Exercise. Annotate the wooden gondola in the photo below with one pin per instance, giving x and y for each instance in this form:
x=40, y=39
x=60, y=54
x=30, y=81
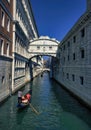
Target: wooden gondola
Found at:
x=24, y=102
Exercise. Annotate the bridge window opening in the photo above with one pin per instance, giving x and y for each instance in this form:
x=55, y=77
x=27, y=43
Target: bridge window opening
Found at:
x=50, y=47
x=38, y=47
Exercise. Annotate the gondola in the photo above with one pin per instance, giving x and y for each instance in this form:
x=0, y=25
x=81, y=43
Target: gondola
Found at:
x=24, y=102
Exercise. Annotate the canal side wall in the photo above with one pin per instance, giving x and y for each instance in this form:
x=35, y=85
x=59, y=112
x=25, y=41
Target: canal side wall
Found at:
x=5, y=92
x=5, y=77
x=21, y=83
x=73, y=70
x=82, y=96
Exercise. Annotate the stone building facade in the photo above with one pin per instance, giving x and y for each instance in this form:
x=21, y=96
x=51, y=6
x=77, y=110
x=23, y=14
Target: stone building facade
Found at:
x=24, y=29
x=6, y=24
x=73, y=69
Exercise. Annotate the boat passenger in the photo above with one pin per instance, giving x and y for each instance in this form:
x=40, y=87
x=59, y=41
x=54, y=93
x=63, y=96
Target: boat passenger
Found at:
x=28, y=96
x=24, y=99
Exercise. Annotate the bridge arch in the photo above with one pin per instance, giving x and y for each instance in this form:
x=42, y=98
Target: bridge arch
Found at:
x=43, y=46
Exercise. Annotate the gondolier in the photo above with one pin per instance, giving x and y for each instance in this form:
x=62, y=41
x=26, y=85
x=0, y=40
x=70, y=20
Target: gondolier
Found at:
x=19, y=97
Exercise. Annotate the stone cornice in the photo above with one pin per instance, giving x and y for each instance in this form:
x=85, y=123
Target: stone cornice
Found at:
x=44, y=38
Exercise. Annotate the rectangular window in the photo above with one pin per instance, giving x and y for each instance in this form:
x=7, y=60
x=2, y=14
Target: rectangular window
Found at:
x=68, y=57
x=8, y=24
x=2, y=18
x=82, y=53
x=74, y=56
x=50, y=47
x=83, y=32
x=74, y=39
x=73, y=77
x=67, y=75
x=1, y=46
x=81, y=80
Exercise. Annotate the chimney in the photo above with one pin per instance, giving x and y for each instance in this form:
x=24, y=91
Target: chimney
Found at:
x=88, y=4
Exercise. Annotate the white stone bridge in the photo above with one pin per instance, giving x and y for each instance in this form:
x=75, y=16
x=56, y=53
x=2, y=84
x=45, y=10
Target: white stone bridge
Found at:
x=43, y=46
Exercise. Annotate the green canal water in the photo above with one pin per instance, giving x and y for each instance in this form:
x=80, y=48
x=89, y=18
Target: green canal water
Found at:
x=58, y=110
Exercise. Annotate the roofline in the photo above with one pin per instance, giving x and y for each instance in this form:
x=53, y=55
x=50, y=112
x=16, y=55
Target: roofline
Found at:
x=33, y=17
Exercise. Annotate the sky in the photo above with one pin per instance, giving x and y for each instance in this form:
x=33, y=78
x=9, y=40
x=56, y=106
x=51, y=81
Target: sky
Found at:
x=54, y=18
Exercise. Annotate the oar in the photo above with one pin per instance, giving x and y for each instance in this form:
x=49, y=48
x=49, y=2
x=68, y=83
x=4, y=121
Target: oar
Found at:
x=33, y=109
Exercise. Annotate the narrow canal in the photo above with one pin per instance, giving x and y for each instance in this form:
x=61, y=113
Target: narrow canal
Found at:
x=58, y=110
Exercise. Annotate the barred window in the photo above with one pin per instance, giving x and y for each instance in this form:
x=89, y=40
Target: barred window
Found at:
x=74, y=39
x=81, y=80
x=83, y=32
x=73, y=77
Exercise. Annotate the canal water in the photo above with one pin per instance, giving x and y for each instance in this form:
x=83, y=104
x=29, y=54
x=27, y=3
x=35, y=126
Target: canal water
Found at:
x=58, y=110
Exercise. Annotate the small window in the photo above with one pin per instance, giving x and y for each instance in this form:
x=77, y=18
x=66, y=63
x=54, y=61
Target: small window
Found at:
x=68, y=57
x=82, y=53
x=50, y=47
x=73, y=56
x=67, y=75
x=73, y=77
x=2, y=18
x=1, y=46
x=83, y=32
x=74, y=39
x=81, y=80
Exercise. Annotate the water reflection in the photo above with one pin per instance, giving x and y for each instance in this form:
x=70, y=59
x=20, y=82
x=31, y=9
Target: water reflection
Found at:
x=58, y=109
